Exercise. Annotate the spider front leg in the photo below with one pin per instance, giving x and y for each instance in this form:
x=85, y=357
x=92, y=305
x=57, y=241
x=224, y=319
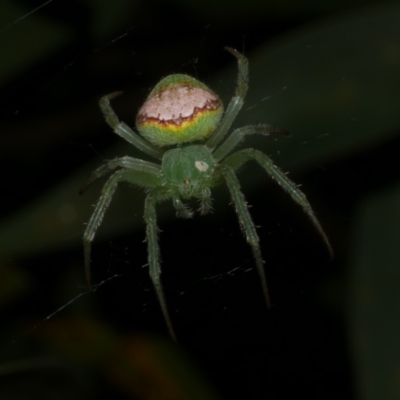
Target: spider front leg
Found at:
x=150, y=216
x=236, y=102
x=238, y=134
x=247, y=225
x=238, y=159
x=123, y=130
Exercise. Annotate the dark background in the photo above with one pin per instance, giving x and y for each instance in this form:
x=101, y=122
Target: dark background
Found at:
x=327, y=73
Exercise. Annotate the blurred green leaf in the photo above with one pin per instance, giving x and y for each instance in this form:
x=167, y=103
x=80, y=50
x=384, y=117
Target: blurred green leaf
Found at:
x=375, y=297
x=14, y=282
x=147, y=367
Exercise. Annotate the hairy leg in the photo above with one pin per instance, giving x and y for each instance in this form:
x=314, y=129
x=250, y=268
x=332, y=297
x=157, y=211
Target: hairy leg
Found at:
x=243, y=156
x=128, y=175
x=97, y=216
x=205, y=201
x=123, y=130
x=236, y=102
x=123, y=162
x=238, y=134
x=182, y=210
x=150, y=216
x=247, y=225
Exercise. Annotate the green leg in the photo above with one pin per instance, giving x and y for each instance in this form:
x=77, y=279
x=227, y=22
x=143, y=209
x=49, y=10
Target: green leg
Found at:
x=153, y=197
x=96, y=174
x=97, y=216
x=238, y=159
x=123, y=130
x=134, y=164
x=247, y=225
x=237, y=136
x=182, y=210
x=236, y=102
x=205, y=201
x=126, y=174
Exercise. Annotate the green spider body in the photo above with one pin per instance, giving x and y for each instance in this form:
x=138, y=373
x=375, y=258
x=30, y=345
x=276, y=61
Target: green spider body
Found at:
x=188, y=171
x=179, y=111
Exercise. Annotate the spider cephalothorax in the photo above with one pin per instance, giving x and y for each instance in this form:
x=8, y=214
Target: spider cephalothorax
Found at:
x=179, y=111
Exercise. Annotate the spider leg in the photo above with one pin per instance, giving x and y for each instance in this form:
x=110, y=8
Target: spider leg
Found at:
x=205, y=201
x=96, y=174
x=238, y=134
x=237, y=159
x=97, y=217
x=123, y=162
x=236, y=102
x=123, y=130
x=134, y=163
x=153, y=197
x=182, y=210
x=144, y=173
x=246, y=224
x=131, y=175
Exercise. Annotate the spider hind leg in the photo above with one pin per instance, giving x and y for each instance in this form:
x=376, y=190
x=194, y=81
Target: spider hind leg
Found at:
x=247, y=225
x=96, y=218
x=236, y=160
x=150, y=216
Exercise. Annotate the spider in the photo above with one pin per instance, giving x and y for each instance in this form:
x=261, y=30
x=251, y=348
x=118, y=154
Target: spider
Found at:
x=179, y=115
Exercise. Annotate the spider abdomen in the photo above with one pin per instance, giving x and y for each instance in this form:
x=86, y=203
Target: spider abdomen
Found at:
x=178, y=110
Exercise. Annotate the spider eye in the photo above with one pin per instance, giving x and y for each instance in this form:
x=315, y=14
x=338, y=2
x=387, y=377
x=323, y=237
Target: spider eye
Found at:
x=179, y=109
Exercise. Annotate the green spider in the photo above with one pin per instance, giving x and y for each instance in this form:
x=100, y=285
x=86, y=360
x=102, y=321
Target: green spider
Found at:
x=178, y=111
